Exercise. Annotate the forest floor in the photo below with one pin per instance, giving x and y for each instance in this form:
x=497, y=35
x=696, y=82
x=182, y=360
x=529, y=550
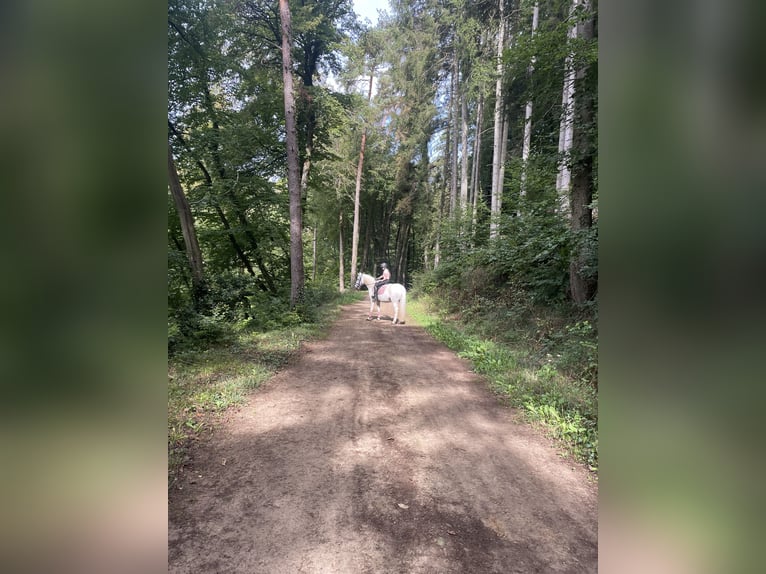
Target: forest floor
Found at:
x=377, y=450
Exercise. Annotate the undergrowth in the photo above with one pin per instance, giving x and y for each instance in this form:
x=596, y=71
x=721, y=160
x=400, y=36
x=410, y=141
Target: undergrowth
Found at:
x=541, y=365
x=206, y=380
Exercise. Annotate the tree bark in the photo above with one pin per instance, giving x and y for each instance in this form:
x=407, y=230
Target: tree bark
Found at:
x=475, y=172
x=341, y=270
x=314, y=253
x=193, y=252
x=528, y=118
x=464, y=156
x=563, y=180
x=455, y=121
x=582, y=288
x=297, y=277
x=358, y=191
x=503, y=156
x=497, y=146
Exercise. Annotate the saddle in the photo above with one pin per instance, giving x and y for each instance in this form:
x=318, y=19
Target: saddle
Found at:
x=381, y=291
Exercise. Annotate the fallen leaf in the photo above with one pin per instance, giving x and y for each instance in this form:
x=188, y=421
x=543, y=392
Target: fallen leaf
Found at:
x=451, y=532
x=400, y=505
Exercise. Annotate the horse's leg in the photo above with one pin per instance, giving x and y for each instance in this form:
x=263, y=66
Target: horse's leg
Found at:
x=372, y=304
x=396, y=310
x=378, y=304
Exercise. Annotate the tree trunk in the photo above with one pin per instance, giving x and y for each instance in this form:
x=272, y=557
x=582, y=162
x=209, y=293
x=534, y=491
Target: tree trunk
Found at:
x=503, y=156
x=341, y=270
x=497, y=146
x=293, y=168
x=454, y=106
x=447, y=166
x=464, y=156
x=314, y=253
x=310, y=123
x=366, y=246
x=475, y=171
x=193, y=252
x=563, y=180
x=358, y=191
x=528, y=119
x=582, y=288
x=440, y=217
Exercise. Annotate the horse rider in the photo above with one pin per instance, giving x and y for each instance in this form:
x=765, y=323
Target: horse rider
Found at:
x=384, y=279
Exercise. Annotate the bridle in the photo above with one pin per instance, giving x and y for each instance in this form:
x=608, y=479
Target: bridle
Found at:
x=358, y=282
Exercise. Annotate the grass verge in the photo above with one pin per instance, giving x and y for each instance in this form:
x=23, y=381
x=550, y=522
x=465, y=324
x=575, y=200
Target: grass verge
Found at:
x=542, y=390
x=204, y=383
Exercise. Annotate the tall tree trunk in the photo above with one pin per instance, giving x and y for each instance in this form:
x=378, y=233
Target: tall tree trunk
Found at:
x=341, y=270
x=563, y=180
x=503, y=156
x=314, y=253
x=193, y=252
x=440, y=218
x=497, y=146
x=528, y=118
x=447, y=167
x=310, y=123
x=293, y=168
x=464, y=156
x=455, y=113
x=475, y=171
x=358, y=191
x=584, y=149
x=366, y=257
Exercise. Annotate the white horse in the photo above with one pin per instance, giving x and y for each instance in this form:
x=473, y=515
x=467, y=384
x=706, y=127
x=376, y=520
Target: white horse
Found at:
x=393, y=292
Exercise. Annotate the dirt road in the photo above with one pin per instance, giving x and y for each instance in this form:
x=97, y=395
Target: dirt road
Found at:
x=378, y=451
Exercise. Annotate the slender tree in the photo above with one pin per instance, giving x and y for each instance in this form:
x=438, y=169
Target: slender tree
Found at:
x=358, y=189
x=455, y=147
x=464, y=154
x=475, y=172
x=497, y=145
x=193, y=252
x=297, y=278
x=528, y=115
x=341, y=271
x=563, y=179
x=583, y=287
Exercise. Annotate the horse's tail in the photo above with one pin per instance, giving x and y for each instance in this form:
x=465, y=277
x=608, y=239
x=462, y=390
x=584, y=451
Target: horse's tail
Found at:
x=403, y=310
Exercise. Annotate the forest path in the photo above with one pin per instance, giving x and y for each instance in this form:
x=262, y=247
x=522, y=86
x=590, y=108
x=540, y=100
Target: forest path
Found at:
x=377, y=450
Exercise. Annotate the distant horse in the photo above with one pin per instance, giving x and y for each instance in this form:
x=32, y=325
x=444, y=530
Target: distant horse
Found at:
x=393, y=292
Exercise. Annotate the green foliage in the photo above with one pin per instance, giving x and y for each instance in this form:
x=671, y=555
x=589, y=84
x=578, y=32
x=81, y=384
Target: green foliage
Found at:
x=576, y=351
